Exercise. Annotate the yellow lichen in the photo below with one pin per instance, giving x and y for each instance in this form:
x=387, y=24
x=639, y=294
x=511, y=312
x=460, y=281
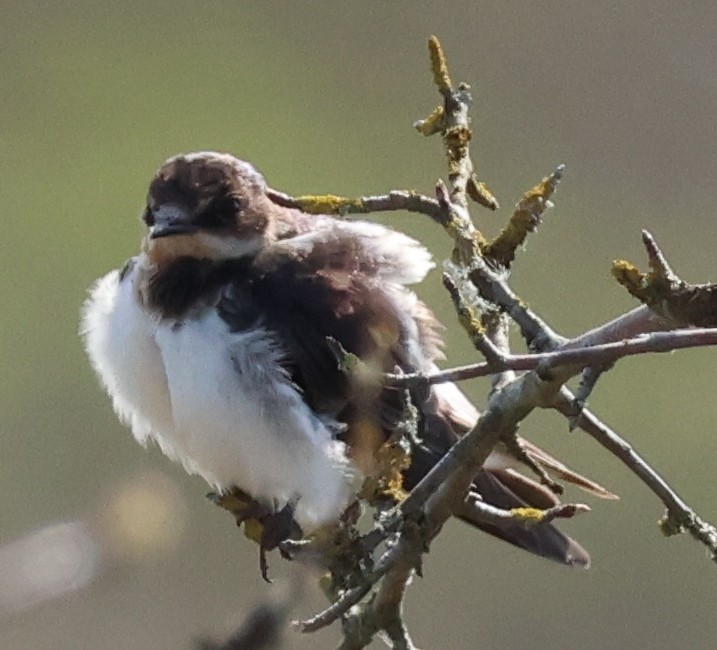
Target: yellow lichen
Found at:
x=392, y=459
x=650, y=288
x=528, y=514
x=458, y=136
x=627, y=275
x=681, y=303
x=431, y=124
x=328, y=204
x=670, y=526
x=439, y=66
x=479, y=192
x=525, y=219
x=468, y=317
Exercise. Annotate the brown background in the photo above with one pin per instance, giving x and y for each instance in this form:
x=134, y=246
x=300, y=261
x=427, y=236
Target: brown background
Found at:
x=321, y=97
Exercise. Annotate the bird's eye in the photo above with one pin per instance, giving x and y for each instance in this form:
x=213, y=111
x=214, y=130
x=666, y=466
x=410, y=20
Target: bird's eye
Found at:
x=148, y=216
x=221, y=212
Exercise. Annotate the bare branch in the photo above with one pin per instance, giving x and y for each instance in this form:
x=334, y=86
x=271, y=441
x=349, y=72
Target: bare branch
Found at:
x=351, y=597
x=656, y=258
x=495, y=289
x=680, y=516
x=588, y=380
x=442, y=490
x=567, y=356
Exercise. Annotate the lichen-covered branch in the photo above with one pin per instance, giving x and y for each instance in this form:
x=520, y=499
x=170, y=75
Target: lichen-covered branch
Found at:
x=452, y=121
x=678, y=302
x=526, y=218
x=342, y=206
x=370, y=572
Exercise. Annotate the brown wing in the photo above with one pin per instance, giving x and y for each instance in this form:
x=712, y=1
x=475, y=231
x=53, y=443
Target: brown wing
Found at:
x=333, y=286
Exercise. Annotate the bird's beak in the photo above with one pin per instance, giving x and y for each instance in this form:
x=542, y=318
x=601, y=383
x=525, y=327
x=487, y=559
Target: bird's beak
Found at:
x=171, y=220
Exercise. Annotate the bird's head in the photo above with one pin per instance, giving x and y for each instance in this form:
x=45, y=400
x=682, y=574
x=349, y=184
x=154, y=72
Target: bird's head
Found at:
x=207, y=205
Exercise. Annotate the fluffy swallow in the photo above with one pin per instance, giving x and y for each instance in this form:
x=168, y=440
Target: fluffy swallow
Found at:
x=212, y=342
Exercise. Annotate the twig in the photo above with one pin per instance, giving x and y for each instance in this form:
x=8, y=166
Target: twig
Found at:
x=383, y=612
x=493, y=287
x=453, y=123
x=679, y=303
x=497, y=330
x=470, y=320
x=527, y=215
x=437, y=495
x=474, y=506
x=341, y=205
x=352, y=596
x=656, y=258
x=588, y=381
x=680, y=516
x=568, y=356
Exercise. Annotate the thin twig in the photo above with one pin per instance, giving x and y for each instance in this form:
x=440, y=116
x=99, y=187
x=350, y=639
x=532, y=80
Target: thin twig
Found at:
x=568, y=356
x=656, y=258
x=679, y=512
x=340, y=205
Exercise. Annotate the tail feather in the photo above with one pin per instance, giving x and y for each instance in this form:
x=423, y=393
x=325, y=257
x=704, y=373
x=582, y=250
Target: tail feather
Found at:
x=447, y=415
x=460, y=414
x=526, y=489
x=542, y=539
x=562, y=471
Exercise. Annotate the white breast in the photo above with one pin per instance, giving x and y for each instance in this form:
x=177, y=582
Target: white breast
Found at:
x=219, y=402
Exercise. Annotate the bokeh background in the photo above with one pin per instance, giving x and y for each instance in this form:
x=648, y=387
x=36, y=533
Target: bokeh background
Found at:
x=105, y=545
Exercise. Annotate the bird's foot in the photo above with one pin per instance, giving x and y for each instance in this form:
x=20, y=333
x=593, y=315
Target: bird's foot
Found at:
x=262, y=524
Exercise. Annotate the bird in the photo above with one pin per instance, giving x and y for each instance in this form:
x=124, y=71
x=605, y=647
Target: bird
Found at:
x=215, y=342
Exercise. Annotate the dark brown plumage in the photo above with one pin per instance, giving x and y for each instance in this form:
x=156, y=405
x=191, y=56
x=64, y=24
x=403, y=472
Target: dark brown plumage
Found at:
x=217, y=242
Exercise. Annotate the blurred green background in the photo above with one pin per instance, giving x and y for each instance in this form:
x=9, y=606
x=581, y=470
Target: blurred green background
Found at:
x=321, y=97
